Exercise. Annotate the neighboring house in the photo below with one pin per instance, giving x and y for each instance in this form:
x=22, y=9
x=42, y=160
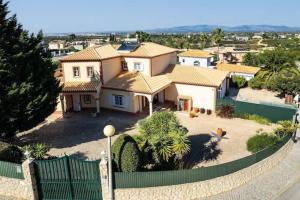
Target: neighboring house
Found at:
x=135, y=77
x=58, y=48
x=196, y=58
x=230, y=54
x=247, y=72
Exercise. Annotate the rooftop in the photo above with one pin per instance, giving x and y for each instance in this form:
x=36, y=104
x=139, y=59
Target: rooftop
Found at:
x=138, y=82
x=237, y=68
x=145, y=49
x=195, y=75
x=196, y=54
x=80, y=86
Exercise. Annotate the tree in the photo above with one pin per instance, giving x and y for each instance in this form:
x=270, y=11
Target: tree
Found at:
x=126, y=155
x=251, y=59
x=72, y=37
x=143, y=36
x=217, y=36
x=203, y=38
x=239, y=81
x=27, y=85
x=163, y=139
x=287, y=84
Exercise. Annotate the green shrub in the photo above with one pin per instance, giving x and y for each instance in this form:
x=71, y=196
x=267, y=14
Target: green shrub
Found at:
x=239, y=81
x=256, y=83
x=261, y=141
x=38, y=150
x=126, y=154
x=226, y=111
x=10, y=153
x=258, y=118
x=286, y=127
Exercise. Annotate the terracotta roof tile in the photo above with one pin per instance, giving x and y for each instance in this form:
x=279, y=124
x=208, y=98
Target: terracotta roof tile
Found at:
x=196, y=54
x=196, y=75
x=237, y=68
x=137, y=82
x=80, y=86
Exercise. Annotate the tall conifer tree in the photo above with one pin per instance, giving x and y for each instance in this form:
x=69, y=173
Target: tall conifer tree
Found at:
x=28, y=88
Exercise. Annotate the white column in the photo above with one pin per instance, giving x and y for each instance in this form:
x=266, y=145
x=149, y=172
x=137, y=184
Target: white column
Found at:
x=98, y=105
x=62, y=104
x=140, y=103
x=150, y=107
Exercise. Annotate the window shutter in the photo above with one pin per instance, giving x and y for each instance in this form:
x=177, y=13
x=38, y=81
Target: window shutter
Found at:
x=125, y=100
x=111, y=100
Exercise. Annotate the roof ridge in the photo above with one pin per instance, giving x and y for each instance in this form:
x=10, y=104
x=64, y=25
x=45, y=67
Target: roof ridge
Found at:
x=140, y=74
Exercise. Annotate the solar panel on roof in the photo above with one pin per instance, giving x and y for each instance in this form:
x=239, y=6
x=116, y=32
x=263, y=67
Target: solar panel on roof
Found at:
x=128, y=46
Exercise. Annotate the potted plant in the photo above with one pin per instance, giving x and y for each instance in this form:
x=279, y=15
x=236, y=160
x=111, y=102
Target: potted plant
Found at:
x=220, y=132
x=208, y=111
x=196, y=110
x=202, y=110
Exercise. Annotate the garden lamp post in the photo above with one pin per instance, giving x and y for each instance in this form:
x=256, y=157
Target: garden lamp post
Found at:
x=109, y=131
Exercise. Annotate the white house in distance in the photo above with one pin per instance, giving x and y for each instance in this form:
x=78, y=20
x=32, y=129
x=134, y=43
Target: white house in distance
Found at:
x=247, y=72
x=136, y=77
x=196, y=58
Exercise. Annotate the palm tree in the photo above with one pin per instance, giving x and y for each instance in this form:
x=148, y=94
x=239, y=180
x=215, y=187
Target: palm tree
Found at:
x=203, y=40
x=217, y=36
x=163, y=138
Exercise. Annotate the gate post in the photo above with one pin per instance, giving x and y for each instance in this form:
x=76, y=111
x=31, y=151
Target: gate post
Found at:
x=104, y=178
x=29, y=176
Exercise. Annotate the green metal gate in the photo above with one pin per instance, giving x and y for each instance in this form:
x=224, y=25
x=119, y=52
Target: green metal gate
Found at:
x=68, y=178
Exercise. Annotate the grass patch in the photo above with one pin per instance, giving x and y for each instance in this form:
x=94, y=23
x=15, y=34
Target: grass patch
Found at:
x=261, y=141
x=257, y=118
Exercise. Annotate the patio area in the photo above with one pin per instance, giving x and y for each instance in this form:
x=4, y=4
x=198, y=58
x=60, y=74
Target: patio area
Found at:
x=81, y=135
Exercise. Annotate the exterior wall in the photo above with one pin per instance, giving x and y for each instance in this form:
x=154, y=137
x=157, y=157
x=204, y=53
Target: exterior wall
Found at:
x=160, y=63
x=68, y=71
x=204, y=62
x=131, y=104
x=202, y=97
x=248, y=77
x=111, y=68
x=20, y=189
x=222, y=89
x=91, y=105
x=145, y=62
x=204, y=189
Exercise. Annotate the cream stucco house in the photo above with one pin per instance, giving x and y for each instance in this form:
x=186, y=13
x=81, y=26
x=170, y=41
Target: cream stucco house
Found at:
x=248, y=72
x=134, y=77
x=197, y=58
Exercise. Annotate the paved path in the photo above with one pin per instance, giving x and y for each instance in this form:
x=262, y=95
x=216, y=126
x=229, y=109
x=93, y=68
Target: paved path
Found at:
x=272, y=185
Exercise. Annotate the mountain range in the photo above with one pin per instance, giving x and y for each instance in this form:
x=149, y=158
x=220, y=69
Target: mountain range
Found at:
x=240, y=28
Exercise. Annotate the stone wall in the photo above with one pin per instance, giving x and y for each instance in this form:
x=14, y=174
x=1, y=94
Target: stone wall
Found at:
x=20, y=188
x=205, y=188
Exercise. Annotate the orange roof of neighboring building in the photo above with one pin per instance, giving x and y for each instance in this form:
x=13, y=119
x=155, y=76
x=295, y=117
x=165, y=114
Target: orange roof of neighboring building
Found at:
x=237, y=68
x=92, y=53
x=146, y=49
x=149, y=49
x=195, y=75
x=195, y=54
x=80, y=86
x=137, y=82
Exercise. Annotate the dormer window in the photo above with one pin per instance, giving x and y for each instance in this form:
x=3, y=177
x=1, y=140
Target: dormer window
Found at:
x=76, y=72
x=138, y=66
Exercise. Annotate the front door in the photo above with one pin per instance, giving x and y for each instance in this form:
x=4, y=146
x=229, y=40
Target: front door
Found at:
x=76, y=102
x=183, y=105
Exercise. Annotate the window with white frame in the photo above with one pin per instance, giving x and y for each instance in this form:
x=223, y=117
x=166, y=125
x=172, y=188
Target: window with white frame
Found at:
x=138, y=66
x=76, y=72
x=118, y=100
x=90, y=72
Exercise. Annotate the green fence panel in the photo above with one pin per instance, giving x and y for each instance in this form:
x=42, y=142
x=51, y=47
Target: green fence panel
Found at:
x=164, y=178
x=273, y=112
x=11, y=170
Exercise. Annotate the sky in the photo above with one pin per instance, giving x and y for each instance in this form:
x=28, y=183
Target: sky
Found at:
x=68, y=16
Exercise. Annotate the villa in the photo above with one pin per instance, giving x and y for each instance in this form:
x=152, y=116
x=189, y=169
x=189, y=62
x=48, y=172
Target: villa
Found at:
x=196, y=58
x=135, y=77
